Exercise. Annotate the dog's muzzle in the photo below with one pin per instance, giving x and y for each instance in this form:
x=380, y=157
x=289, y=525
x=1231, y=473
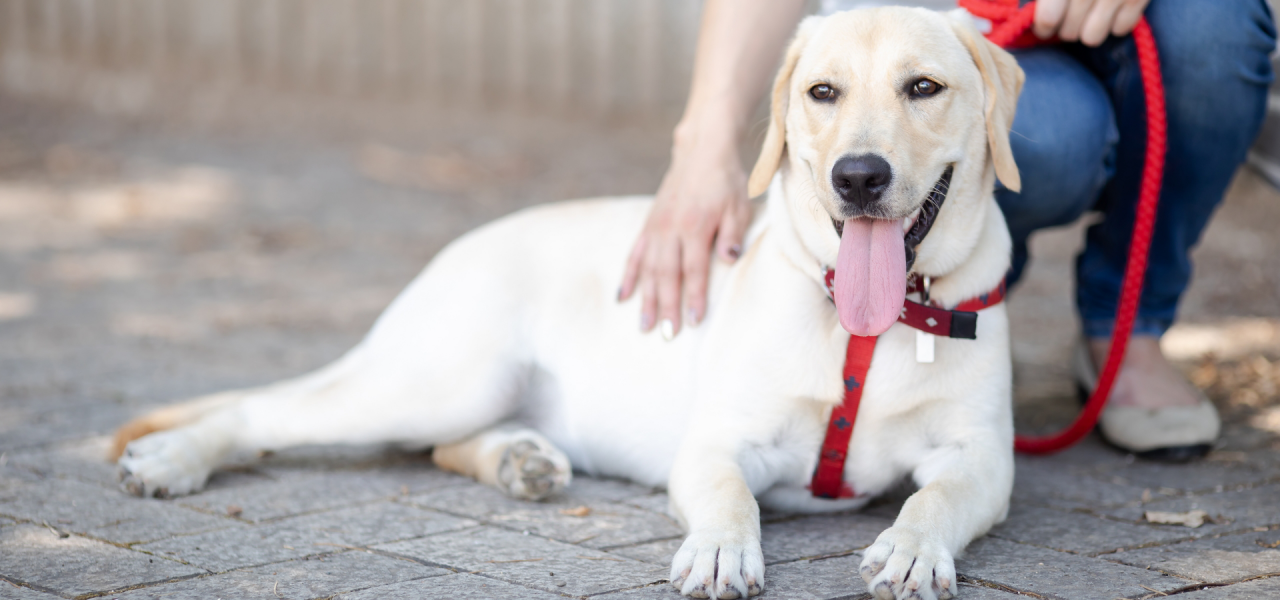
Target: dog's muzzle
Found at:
x=928, y=213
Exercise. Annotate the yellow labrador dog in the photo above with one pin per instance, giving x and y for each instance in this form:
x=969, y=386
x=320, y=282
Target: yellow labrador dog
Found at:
x=510, y=355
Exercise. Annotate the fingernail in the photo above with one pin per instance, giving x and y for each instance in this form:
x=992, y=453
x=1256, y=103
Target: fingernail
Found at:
x=646, y=322
x=691, y=316
x=668, y=330
x=619, y=294
x=735, y=251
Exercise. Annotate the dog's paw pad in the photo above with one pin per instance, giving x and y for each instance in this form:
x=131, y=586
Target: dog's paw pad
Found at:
x=904, y=565
x=163, y=464
x=533, y=471
x=719, y=565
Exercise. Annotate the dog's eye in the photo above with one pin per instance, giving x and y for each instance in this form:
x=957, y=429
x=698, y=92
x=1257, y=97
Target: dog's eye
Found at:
x=822, y=91
x=925, y=88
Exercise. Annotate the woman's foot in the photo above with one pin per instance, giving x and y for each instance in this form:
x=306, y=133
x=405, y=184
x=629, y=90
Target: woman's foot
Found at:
x=1153, y=410
x=1147, y=379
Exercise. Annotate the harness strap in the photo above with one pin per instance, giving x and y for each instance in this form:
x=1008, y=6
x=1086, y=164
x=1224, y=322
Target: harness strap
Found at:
x=828, y=479
x=961, y=322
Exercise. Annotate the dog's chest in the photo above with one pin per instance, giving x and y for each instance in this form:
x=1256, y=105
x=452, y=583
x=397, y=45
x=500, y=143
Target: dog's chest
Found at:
x=900, y=403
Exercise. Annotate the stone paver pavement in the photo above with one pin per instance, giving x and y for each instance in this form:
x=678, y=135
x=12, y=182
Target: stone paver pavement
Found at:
x=141, y=265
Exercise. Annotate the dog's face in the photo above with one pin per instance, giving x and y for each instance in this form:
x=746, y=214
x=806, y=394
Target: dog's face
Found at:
x=876, y=113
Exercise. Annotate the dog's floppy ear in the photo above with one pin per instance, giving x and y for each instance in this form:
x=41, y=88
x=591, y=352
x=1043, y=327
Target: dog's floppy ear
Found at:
x=775, y=140
x=1003, y=79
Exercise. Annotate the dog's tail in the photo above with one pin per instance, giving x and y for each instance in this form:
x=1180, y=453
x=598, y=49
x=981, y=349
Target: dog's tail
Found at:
x=186, y=413
x=169, y=417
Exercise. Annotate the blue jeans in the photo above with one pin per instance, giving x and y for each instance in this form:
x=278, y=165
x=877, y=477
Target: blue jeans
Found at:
x=1079, y=139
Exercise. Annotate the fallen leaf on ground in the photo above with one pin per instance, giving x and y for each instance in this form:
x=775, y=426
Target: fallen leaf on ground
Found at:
x=579, y=511
x=1227, y=456
x=1191, y=518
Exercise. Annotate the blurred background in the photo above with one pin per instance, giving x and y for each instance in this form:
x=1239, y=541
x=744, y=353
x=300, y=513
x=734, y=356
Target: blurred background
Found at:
x=605, y=61
x=201, y=194
x=594, y=59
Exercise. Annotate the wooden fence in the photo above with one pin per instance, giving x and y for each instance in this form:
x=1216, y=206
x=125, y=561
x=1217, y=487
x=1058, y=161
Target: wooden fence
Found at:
x=598, y=58
x=595, y=59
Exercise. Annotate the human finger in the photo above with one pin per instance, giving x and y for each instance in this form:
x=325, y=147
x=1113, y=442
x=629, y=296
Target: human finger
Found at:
x=1097, y=24
x=733, y=226
x=632, y=272
x=650, y=276
x=1127, y=17
x=1073, y=21
x=696, y=264
x=648, y=303
x=667, y=280
x=1048, y=17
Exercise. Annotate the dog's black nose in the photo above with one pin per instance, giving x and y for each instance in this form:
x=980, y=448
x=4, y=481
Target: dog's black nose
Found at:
x=860, y=180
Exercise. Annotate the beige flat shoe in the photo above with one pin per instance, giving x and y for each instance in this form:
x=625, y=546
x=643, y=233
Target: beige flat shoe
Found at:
x=1169, y=434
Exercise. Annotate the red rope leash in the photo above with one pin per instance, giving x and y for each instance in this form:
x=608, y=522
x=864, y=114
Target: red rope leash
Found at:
x=1011, y=28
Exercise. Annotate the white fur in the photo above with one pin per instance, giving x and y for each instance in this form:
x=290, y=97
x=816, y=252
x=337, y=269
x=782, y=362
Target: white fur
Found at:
x=517, y=321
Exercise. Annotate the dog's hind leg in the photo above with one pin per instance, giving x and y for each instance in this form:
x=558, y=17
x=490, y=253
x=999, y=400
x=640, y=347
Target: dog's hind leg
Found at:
x=169, y=417
x=172, y=450
x=445, y=360
x=516, y=460
x=364, y=398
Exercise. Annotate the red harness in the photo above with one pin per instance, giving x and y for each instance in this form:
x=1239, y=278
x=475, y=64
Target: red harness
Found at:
x=960, y=322
x=1011, y=22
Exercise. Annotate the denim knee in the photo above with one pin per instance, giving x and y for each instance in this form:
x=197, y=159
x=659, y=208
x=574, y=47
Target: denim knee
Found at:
x=1216, y=62
x=1063, y=138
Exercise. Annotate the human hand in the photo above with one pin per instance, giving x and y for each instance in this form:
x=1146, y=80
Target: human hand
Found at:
x=702, y=200
x=1087, y=21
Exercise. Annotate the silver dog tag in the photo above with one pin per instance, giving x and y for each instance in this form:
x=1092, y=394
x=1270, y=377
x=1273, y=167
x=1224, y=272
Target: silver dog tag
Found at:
x=924, y=347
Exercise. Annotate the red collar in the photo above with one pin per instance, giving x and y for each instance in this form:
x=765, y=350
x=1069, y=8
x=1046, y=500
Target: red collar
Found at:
x=959, y=322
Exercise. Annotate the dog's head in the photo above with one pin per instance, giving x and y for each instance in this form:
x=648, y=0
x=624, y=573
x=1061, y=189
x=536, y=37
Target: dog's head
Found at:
x=878, y=116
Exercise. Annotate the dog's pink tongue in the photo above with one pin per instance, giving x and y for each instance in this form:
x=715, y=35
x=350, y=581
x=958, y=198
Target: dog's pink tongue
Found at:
x=871, y=275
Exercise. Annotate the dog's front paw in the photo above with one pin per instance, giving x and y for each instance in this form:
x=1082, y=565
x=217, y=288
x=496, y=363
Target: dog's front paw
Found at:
x=164, y=464
x=904, y=564
x=719, y=563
